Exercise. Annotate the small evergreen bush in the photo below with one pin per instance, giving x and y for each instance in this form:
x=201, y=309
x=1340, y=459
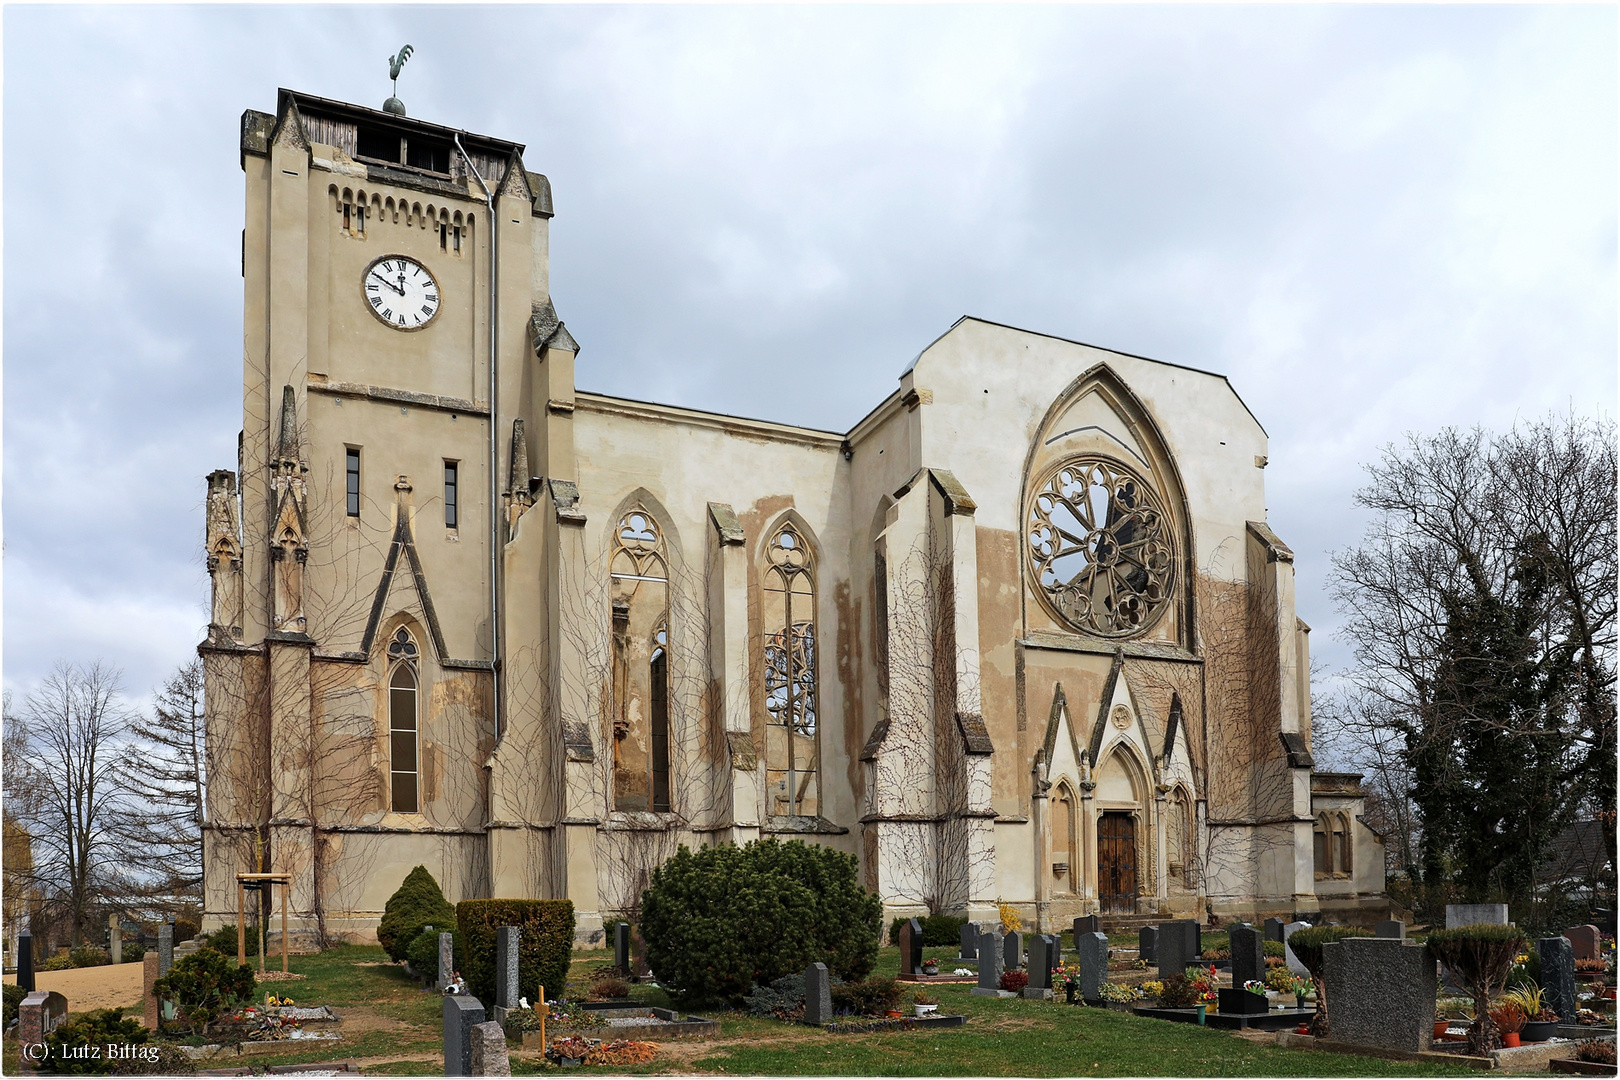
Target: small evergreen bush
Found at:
x=868, y=997
x=89, y=956
x=1273, y=948
x=782, y=999
x=14, y=995
x=721, y=920
x=132, y=952
x=414, y=904
x=423, y=954
x=545, y=945
x=224, y=940
x=939, y=931
x=94, y=1030
x=204, y=986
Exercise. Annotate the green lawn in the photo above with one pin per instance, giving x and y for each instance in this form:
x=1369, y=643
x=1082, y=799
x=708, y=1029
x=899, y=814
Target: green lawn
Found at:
x=393, y=1027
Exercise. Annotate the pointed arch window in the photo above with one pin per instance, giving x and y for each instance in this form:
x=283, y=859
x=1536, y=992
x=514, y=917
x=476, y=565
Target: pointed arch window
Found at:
x=792, y=757
x=1099, y=548
x=402, y=724
x=639, y=579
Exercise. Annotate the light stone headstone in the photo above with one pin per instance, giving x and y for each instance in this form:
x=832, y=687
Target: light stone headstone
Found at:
x=507, y=940
x=911, y=947
x=1586, y=941
x=1391, y=928
x=487, y=1056
x=165, y=948
x=1475, y=915
x=818, y=1009
x=1295, y=964
x=115, y=939
x=447, y=959
x=990, y=956
x=1178, y=944
x=1093, y=950
x=970, y=941
x=1558, y=976
x=1380, y=992
x=1147, y=944
x=1274, y=929
x=462, y=1013
x=1248, y=954
x=621, y=947
x=1040, y=968
x=1012, y=951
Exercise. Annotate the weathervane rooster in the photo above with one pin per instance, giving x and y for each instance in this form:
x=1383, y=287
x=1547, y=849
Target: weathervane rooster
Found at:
x=395, y=63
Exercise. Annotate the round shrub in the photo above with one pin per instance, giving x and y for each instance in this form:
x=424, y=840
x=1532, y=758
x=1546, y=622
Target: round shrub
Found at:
x=423, y=954
x=414, y=904
x=205, y=986
x=720, y=920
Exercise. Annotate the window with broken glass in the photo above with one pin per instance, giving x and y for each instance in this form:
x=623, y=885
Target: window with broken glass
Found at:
x=1099, y=548
x=639, y=573
x=792, y=759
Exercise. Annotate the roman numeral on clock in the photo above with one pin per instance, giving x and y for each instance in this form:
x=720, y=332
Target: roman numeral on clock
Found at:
x=427, y=309
x=376, y=301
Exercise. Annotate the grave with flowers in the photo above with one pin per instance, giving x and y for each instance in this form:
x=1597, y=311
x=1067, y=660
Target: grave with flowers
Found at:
x=1197, y=996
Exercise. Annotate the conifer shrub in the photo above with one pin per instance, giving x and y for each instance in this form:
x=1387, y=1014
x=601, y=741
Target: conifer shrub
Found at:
x=414, y=904
x=13, y=1003
x=721, y=920
x=423, y=954
x=869, y=997
x=205, y=986
x=68, y=1045
x=545, y=944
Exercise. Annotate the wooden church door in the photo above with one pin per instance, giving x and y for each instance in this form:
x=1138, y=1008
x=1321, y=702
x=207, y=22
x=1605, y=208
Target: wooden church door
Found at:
x=1116, y=863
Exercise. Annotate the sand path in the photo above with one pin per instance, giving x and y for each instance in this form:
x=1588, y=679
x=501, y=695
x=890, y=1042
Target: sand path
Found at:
x=110, y=986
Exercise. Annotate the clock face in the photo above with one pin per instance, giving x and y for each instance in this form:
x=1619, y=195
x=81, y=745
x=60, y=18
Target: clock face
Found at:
x=400, y=292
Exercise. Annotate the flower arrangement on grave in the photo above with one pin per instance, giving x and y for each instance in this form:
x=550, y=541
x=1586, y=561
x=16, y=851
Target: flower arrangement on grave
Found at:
x=1530, y=998
x=1180, y=992
x=931, y=965
x=1139, y=964
x=1255, y=986
x=1118, y=993
x=1014, y=980
x=923, y=1003
x=1152, y=989
x=1284, y=981
x=1599, y=1051
x=571, y=1014
x=1592, y=967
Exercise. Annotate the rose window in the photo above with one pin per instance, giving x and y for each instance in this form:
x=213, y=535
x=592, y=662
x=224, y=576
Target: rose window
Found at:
x=1100, y=549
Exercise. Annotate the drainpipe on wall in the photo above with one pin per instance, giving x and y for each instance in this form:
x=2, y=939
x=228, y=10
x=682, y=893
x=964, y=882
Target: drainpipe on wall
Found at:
x=494, y=437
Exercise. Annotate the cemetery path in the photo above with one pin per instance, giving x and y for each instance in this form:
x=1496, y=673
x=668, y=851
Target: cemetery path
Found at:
x=110, y=986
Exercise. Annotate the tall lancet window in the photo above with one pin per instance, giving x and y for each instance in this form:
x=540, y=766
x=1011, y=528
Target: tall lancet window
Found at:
x=402, y=723
x=792, y=760
x=639, y=575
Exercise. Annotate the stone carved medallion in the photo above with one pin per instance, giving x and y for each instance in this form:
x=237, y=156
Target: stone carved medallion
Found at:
x=1120, y=717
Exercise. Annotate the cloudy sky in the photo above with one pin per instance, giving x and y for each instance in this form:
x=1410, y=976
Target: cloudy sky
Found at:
x=1373, y=219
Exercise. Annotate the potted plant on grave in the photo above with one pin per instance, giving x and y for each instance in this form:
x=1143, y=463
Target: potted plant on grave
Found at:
x=1508, y=1018
x=924, y=1003
x=1478, y=957
x=1540, y=1022
x=1069, y=975
x=931, y=965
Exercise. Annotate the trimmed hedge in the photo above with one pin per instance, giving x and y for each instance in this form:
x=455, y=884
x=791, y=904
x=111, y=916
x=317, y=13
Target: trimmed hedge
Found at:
x=721, y=920
x=417, y=902
x=939, y=931
x=544, y=947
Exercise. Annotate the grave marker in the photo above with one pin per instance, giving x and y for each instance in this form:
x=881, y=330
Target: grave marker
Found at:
x=115, y=939
x=990, y=956
x=1274, y=929
x=1012, y=951
x=1086, y=924
x=1558, y=976
x=25, y=961
x=911, y=947
x=1295, y=965
x=38, y=1016
x=1093, y=950
x=1380, y=992
x=1392, y=928
x=462, y=1013
x=447, y=961
x=1586, y=941
x=1039, y=986
x=487, y=1056
x=149, y=1000
x=1177, y=946
x=1248, y=954
x=1476, y=914
x=621, y=947
x=1147, y=944
x=165, y=948
x=970, y=942
x=818, y=1009
x=507, y=939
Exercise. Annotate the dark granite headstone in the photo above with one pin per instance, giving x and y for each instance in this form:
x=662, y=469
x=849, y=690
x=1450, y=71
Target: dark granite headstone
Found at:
x=1391, y=928
x=1040, y=963
x=1086, y=924
x=1558, y=976
x=488, y=1056
x=25, y=961
x=1586, y=941
x=507, y=939
x=1274, y=927
x=462, y=1012
x=1147, y=944
x=165, y=948
x=1248, y=954
x=1380, y=992
x=970, y=941
x=1093, y=956
x=818, y=1008
x=989, y=965
x=911, y=947
x=1178, y=944
x=621, y=947
x=1012, y=951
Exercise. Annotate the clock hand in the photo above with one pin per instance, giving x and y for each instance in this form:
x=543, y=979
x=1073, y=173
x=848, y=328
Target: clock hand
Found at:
x=388, y=283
